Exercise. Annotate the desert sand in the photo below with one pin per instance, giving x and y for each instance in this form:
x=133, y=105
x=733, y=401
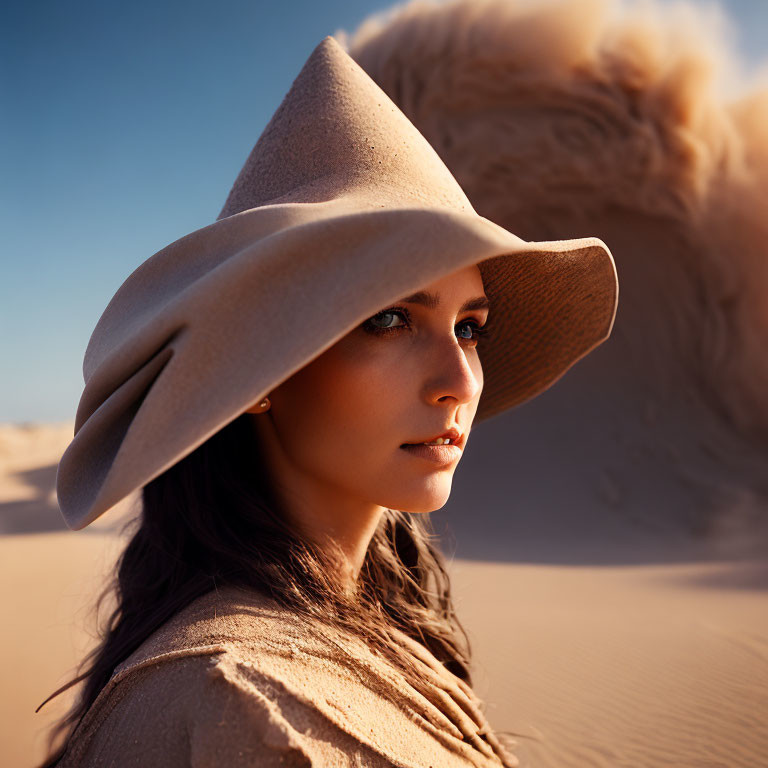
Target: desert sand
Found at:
x=589, y=665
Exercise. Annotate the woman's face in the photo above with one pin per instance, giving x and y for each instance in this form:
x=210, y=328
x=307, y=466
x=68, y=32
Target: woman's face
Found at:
x=335, y=428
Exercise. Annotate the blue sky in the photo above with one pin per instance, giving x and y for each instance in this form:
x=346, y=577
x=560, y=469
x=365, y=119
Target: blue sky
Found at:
x=122, y=128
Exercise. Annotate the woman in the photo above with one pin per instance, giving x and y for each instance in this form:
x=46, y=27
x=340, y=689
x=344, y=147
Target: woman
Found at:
x=270, y=382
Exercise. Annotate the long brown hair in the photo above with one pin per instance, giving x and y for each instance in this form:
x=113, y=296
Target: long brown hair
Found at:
x=213, y=519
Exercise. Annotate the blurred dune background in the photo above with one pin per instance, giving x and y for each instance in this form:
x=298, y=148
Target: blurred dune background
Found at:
x=608, y=540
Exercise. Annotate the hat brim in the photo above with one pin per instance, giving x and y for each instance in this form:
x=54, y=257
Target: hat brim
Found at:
x=213, y=322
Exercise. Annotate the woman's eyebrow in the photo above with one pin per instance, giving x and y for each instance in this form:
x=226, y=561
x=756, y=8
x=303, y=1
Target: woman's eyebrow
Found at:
x=432, y=301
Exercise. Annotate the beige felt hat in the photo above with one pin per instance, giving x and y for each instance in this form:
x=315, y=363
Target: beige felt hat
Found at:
x=341, y=208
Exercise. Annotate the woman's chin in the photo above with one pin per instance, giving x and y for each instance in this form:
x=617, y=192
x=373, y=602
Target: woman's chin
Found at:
x=421, y=500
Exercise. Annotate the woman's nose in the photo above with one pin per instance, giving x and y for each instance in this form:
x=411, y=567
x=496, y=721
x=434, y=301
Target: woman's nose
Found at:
x=453, y=371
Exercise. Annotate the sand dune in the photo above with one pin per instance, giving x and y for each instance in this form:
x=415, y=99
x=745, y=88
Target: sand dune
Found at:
x=29, y=455
x=633, y=122
x=591, y=665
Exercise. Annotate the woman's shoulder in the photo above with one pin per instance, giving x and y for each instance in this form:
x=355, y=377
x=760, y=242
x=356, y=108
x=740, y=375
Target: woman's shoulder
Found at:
x=220, y=683
x=225, y=618
x=234, y=675
x=241, y=624
x=201, y=711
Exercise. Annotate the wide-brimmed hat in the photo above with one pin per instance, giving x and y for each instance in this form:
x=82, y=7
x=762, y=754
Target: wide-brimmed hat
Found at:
x=341, y=208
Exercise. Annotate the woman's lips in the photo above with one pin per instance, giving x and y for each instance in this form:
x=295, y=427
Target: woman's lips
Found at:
x=439, y=454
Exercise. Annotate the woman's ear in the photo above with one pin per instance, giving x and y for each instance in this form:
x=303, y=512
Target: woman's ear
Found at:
x=260, y=407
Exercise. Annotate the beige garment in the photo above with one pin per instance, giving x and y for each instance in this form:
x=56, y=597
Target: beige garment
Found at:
x=235, y=680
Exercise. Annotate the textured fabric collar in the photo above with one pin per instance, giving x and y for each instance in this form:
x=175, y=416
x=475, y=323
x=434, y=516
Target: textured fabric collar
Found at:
x=337, y=674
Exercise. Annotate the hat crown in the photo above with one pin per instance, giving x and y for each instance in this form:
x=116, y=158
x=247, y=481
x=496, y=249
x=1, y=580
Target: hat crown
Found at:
x=337, y=132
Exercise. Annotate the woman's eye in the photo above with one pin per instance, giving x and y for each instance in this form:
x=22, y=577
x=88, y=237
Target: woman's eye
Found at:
x=382, y=321
x=386, y=321
x=475, y=330
x=470, y=327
